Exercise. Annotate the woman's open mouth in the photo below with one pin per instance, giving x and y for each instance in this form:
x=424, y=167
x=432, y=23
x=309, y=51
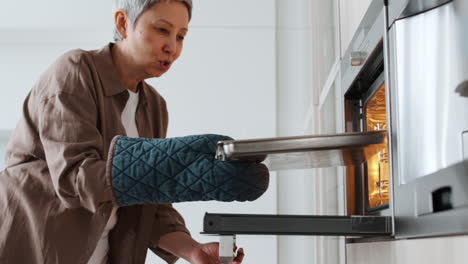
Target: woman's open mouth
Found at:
x=165, y=65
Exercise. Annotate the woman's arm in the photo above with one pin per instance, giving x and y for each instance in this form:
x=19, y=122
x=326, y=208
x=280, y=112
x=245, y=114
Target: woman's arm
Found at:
x=179, y=244
x=65, y=114
x=182, y=245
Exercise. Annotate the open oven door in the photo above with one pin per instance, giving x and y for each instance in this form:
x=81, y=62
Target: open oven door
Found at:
x=285, y=153
x=354, y=149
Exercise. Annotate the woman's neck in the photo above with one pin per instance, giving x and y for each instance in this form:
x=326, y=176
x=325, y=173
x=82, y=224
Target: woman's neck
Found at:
x=125, y=68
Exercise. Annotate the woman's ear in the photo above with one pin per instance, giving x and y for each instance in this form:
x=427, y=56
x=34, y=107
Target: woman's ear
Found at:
x=121, y=21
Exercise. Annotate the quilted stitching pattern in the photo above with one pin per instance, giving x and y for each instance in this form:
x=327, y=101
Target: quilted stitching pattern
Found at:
x=181, y=169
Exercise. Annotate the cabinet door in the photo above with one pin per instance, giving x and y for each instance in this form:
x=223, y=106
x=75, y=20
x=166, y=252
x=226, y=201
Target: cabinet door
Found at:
x=326, y=52
x=351, y=14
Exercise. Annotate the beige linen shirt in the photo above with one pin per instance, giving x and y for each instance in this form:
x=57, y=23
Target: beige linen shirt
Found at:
x=57, y=170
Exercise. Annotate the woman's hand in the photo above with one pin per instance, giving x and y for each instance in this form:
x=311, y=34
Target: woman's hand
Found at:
x=209, y=254
x=182, y=245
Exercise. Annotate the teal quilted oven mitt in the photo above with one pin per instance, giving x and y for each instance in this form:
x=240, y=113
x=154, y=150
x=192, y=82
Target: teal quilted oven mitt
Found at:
x=181, y=169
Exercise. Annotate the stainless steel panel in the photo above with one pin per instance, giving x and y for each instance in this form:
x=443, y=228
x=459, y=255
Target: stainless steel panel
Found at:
x=431, y=115
x=416, y=212
x=389, y=91
x=429, y=62
x=304, y=151
x=233, y=224
x=458, y=196
x=403, y=8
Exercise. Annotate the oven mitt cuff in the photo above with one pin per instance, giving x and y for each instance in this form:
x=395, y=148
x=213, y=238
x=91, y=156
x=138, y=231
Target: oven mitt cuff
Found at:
x=182, y=169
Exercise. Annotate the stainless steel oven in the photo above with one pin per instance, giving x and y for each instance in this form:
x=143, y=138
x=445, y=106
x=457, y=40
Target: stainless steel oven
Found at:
x=428, y=50
x=405, y=85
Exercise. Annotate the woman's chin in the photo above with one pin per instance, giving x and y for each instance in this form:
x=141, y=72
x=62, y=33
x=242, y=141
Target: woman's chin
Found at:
x=155, y=73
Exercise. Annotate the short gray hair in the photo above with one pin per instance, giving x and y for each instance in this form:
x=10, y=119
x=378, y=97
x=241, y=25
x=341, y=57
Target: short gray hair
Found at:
x=134, y=8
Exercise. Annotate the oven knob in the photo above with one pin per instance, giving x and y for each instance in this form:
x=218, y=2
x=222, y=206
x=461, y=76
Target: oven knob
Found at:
x=357, y=58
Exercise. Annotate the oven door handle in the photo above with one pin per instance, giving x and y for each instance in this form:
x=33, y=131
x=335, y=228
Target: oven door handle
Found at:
x=305, y=225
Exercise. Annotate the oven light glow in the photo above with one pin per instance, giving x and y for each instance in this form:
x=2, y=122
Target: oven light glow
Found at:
x=377, y=165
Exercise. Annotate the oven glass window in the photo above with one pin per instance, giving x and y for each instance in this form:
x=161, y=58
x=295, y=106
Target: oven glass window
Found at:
x=377, y=165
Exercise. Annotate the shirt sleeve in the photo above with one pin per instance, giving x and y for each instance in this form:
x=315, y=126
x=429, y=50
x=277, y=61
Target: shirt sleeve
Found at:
x=73, y=145
x=167, y=220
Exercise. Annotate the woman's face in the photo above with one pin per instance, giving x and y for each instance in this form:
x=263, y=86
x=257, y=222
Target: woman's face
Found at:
x=156, y=39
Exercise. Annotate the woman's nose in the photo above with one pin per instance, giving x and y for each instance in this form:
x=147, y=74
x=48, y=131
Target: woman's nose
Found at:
x=170, y=46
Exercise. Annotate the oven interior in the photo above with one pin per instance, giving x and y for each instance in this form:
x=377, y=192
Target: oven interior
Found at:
x=365, y=110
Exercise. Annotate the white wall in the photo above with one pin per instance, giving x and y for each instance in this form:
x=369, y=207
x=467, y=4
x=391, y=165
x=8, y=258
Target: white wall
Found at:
x=294, y=66
x=33, y=34
x=223, y=83
x=324, y=118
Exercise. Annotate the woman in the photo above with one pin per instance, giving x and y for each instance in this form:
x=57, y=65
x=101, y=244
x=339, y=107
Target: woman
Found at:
x=59, y=195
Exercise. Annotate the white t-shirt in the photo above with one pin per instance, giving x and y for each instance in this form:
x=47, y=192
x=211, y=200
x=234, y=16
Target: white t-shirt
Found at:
x=100, y=255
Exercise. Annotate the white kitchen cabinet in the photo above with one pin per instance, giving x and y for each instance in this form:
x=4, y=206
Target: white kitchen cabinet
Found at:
x=325, y=45
x=328, y=182
x=324, y=117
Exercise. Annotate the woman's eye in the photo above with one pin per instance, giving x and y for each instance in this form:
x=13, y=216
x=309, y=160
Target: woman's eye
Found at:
x=180, y=37
x=162, y=30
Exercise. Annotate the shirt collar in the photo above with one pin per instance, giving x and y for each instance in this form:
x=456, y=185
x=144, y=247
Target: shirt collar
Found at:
x=108, y=73
x=110, y=77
